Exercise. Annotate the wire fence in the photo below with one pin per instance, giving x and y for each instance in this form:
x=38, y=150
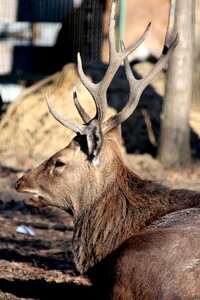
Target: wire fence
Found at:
x=41, y=36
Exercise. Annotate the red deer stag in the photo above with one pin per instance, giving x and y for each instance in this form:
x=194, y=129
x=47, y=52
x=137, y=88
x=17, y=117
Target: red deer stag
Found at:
x=112, y=207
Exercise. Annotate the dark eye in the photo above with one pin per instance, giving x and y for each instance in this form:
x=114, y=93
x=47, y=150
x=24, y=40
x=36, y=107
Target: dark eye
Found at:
x=58, y=164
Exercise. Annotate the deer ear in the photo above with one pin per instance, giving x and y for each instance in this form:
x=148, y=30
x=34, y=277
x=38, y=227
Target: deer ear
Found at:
x=116, y=134
x=94, y=139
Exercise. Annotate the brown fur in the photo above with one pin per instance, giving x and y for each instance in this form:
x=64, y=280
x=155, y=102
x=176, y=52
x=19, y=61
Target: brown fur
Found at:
x=154, y=264
x=158, y=264
x=110, y=205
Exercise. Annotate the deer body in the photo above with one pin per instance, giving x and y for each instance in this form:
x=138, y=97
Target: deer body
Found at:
x=125, y=206
x=112, y=207
x=151, y=265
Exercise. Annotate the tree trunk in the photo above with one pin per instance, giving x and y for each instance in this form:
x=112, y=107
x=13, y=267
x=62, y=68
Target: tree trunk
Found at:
x=174, y=147
x=196, y=74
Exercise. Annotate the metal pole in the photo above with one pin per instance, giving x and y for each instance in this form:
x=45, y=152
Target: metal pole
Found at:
x=122, y=15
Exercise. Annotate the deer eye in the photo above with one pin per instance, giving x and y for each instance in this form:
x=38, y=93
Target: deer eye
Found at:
x=59, y=164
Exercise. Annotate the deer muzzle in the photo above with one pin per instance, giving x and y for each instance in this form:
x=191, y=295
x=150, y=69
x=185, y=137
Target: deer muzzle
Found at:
x=35, y=199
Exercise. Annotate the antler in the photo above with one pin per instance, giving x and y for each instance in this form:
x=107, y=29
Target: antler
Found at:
x=85, y=117
x=93, y=127
x=137, y=86
x=65, y=122
x=99, y=90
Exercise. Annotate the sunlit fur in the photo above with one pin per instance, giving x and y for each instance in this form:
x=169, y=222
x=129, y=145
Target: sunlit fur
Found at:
x=110, y=206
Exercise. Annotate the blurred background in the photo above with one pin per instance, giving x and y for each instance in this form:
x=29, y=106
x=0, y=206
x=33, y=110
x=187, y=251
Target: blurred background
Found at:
x=33, y=32
x=39, y=38
x=39, y=42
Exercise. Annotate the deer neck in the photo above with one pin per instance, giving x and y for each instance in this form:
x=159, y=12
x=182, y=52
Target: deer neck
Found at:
x=99, y=231
x=105, y=224
x=129, y=206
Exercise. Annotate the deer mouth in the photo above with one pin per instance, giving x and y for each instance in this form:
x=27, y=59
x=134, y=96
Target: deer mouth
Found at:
x=36, y=200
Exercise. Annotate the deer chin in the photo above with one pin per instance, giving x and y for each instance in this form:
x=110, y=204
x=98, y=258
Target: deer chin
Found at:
x=36, y=200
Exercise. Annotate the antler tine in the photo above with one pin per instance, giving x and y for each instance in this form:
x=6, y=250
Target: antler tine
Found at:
x=166, y=54
x=93, y=89
x=90, y=86
x=137, y=86
x=85, y=117
x=65, y=122
x=115, y=57
x=99, y=90
x=129, y=74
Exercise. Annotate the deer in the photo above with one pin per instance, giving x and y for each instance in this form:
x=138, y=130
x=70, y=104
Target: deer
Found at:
x=134, y=238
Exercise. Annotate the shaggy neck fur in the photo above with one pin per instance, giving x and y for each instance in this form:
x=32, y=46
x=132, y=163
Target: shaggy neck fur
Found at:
x=129, y=206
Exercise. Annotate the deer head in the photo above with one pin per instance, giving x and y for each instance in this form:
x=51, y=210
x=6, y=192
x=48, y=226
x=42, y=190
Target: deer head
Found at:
x=84, y=171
